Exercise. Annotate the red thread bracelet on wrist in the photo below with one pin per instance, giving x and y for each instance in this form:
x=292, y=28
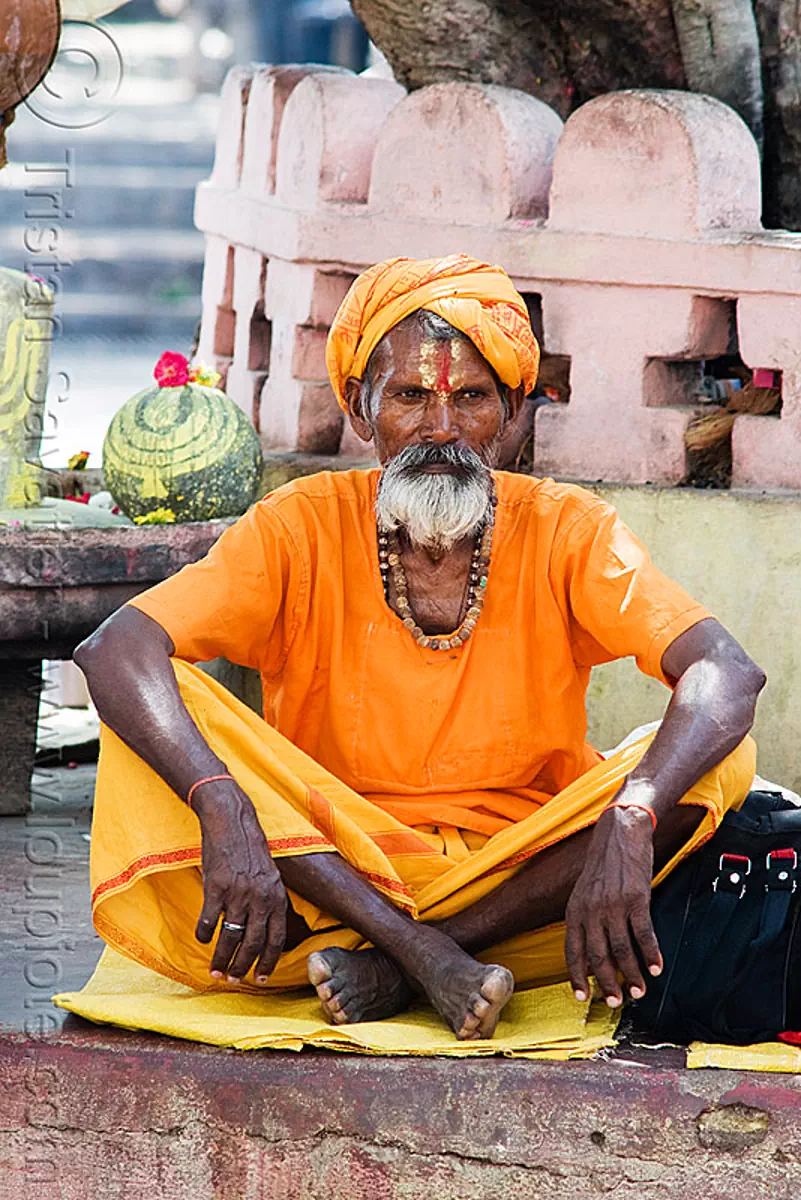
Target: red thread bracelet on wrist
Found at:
x=208, y=779
x=628, y=804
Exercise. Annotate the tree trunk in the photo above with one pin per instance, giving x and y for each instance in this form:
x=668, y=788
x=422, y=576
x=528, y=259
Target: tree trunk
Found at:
x=562, y=51
x=567, y=51
x=720, y=51
x=779, y=24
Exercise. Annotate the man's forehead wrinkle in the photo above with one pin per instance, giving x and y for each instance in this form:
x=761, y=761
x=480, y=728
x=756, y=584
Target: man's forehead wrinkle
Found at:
x=409, y=356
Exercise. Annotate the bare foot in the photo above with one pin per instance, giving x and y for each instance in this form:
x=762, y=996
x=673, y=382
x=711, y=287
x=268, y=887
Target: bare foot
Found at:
x=467, y=995
x=358, y=985
x=367, y=985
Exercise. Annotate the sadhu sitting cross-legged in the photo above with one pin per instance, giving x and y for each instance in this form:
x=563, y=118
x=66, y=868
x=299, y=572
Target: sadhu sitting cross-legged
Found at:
x=419, y=811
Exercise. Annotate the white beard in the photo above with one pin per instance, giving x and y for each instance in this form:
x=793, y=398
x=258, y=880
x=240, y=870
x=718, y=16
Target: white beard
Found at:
x=435, y=510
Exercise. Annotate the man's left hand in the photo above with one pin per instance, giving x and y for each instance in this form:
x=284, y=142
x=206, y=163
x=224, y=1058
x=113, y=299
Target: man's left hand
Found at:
x=609, y=911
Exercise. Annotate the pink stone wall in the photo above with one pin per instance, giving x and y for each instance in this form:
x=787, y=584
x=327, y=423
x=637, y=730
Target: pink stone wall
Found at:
x=636, y=228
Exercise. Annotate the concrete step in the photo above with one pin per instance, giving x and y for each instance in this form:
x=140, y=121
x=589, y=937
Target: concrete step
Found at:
x=132, y=261
x=135, y=258
x=182, y=311
x=143, y=266
x=111, y=196
x=120, y=316
x=172, y=134
x=100, y=148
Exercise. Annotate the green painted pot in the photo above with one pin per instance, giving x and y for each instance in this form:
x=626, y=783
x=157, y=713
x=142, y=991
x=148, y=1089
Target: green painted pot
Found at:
x=189, y=450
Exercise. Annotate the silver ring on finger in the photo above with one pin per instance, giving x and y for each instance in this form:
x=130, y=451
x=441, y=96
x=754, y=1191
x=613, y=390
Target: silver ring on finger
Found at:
x=232, y=927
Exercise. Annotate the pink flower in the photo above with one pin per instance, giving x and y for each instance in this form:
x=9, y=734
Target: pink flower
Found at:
x=172, y=370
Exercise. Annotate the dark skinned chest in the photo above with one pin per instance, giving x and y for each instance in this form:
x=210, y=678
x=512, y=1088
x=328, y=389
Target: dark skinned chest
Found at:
x=437, y=588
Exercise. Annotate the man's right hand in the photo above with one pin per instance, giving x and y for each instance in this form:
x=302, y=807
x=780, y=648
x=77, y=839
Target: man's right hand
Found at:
x=241, y=884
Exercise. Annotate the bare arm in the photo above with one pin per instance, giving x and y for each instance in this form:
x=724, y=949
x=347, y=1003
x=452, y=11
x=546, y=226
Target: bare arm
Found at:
x=127, y=666
x=126, y=663
x=710, y=712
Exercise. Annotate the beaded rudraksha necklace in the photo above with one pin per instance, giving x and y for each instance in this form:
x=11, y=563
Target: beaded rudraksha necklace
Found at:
x=391, y=567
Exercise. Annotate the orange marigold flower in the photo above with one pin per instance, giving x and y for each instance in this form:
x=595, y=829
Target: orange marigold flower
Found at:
x=204, y=375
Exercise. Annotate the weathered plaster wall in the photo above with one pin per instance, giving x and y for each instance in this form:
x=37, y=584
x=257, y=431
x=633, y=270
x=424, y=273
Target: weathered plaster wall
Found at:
x=739, y=553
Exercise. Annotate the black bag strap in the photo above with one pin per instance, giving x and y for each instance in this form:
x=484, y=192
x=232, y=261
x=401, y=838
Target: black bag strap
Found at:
x=708, y=929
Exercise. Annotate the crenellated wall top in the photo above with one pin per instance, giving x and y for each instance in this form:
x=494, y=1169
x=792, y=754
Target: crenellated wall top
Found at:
x=634, y=229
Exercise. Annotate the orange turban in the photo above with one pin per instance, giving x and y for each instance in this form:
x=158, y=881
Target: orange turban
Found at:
x=473, y=296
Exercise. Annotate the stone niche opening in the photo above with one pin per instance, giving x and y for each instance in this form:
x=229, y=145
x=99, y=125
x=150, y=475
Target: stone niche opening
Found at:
x=552, y=387
x=225, y=320
x=260, y=340
x=553, y=381
x=713, y=389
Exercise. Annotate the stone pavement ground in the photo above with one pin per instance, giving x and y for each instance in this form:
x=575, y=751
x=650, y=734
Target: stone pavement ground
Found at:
x=95, y=1113
x=46, y=938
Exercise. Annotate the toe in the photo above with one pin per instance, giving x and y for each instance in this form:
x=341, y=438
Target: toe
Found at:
x=345, y=1009
x=321, y=975
x=318, y=968
x=340, y=1000
x=498, y=985
x=468, y=1033
x=480, y=1007
x=469, y=1027
x=496, y=989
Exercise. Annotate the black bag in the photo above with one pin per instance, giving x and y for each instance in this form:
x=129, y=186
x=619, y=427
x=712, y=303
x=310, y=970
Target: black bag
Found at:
x=727, y=920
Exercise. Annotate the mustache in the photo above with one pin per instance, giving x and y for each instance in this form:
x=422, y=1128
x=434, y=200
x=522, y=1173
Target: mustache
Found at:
x=463, y=461
x=435, y=510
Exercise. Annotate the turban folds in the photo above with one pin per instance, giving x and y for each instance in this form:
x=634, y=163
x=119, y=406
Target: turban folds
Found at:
x=474, y=297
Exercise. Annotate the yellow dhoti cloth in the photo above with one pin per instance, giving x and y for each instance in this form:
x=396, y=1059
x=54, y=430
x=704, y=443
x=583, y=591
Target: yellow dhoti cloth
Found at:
x=146, y=855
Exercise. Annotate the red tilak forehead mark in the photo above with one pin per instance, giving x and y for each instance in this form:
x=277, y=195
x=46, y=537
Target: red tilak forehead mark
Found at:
x=444, y=362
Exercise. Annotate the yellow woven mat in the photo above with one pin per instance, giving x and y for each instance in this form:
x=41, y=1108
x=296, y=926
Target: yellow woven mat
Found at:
x=764, y=1056
x=541, y=1023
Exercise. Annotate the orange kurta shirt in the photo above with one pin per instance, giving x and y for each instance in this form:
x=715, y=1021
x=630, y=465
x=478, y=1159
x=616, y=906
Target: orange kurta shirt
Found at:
x=476, y=737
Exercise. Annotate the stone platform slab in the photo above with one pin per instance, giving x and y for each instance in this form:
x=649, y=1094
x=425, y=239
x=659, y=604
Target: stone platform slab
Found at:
x=110, y=1114
x=47, y=942
x=56, y=587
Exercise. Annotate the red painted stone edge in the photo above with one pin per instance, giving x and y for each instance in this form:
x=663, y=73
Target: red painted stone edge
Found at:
x=495, y=1109
x=39, y=558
